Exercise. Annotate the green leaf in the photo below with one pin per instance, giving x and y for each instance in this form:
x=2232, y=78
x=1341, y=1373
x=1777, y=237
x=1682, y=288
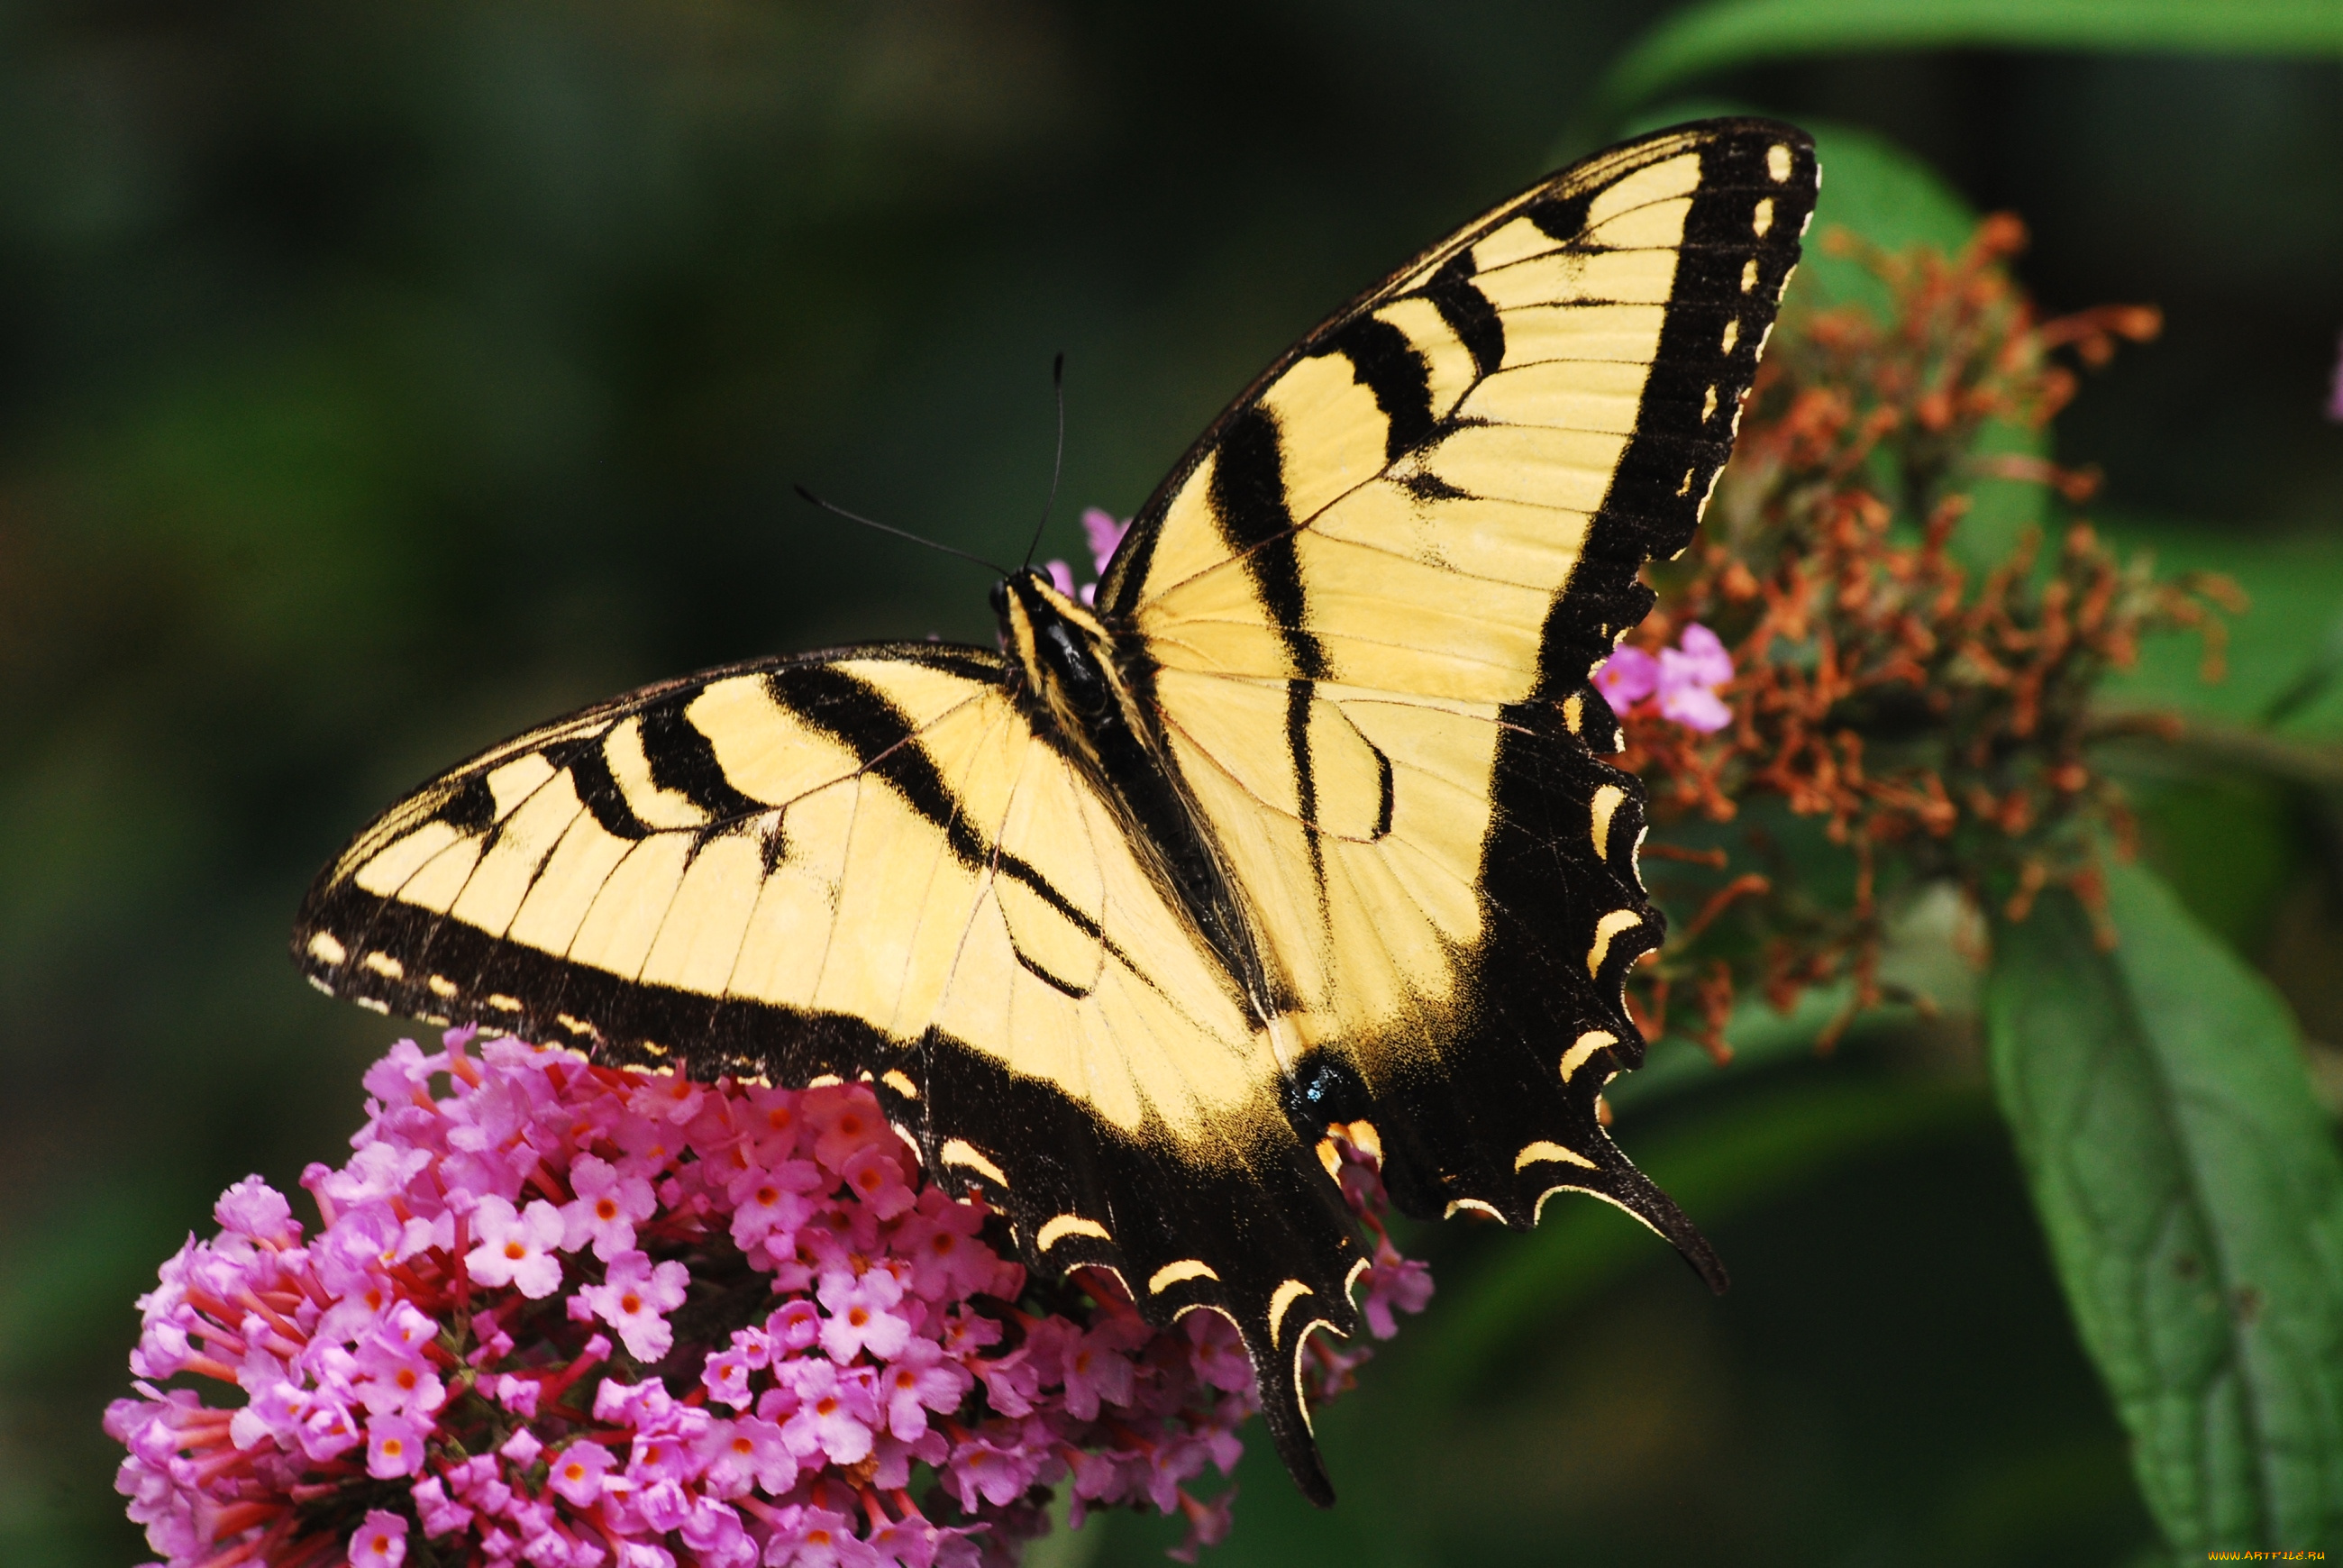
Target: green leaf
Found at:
x=1728, y=33
x=2193, y=1199
x=2284, y=650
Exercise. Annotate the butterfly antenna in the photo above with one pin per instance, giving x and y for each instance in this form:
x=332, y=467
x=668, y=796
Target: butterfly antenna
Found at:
x=1058, y=466
x=811, y=499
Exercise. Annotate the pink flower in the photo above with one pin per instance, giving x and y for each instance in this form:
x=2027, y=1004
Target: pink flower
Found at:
x=254, y=1210
x=826, y=1539
x=517, y=1394
x=919, y=1380
x=632, y=1299
x=851, y=1334
x=858, y=1318
x=946, y=1258
x=607, y=1210
x=1689, y=673
x=749, y=1455
x=398, y=1378
x=1219, y=1356
x=844, y=1118
x=577, y=1472
x=441, y=1514
x=1684, y=678
x=380, y=1542
x=515, y=1249
x=1105, y=534
x=394, y=1447
x=876, y=1173
x=772, y=1199
x=726, y=1379
x=997, y=1473
x=835, y=1414
x=1097, y=1370
x=1395, y=1282
x=1626, y=677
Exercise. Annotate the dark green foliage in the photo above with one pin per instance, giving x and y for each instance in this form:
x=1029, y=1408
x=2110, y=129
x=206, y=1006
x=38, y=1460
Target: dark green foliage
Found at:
x=2190, y=1189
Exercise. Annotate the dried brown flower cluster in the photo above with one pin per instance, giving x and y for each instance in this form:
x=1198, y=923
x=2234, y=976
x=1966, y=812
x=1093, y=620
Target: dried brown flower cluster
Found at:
x=1905, y=710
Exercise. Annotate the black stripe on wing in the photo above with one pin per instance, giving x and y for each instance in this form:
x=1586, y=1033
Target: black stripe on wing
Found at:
x=865, y=719
x=1691, y=401
x=1249, y=499
x=1468, y=313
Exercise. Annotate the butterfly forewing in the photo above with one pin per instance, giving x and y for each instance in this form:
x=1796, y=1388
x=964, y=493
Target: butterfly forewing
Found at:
x=1384, y=575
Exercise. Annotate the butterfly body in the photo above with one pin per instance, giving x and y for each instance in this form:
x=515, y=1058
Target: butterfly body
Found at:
x=1072, y=668
x=1304, y=824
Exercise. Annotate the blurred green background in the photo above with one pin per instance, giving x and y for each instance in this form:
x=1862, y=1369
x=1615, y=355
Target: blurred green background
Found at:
x=377, y=379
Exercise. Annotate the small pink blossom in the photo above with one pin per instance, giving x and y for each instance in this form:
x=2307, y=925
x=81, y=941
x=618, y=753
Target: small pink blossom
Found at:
x=1395, y=1282
x=749, y=1455
x=441, y=1514
x=380, y=1542
x=633, y=1299
x=844, y=1118
x=254, y=1210
x=1105, y=534
x=1684, y=679
x=394, y=1447
x=516, y=1247
x=876, y=1173
x=608, y=1208
x=726, y=1379
x=835, y=1414
x=770, y=1198
x=858, y=1316
x=517, y=1394
x=918, y=1380
x=397, y=1378
x=578, y=1471
x=992, y=1473
x=1097, y=1369
x=1689, y=673
x=826, y=1540
x=1627, y=677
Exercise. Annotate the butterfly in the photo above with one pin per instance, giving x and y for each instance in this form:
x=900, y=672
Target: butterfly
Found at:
x=1301, y=825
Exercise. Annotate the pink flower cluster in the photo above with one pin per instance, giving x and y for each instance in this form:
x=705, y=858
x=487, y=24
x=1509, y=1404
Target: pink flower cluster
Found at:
x=1103, y=533
x=573, y=1317
x=1684, y=678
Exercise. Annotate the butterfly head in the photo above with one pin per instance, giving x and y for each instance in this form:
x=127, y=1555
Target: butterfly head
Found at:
x=1066, y=653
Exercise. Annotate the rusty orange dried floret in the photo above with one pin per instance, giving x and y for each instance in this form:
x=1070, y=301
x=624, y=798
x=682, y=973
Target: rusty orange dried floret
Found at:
x=1925, y=718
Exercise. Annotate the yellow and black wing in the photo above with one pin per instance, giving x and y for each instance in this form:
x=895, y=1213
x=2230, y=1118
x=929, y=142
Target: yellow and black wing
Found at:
x=1363, y=610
